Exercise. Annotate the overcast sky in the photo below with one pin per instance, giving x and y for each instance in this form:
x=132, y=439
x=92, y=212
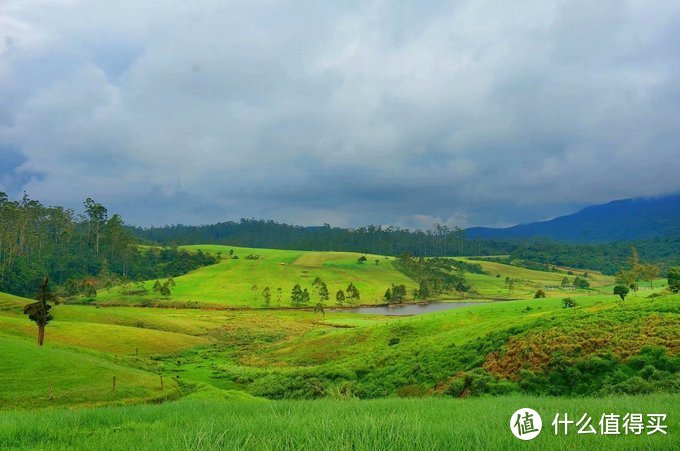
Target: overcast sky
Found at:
x=403, y=113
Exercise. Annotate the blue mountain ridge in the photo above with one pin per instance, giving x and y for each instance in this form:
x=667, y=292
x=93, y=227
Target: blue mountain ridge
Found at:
x=626, y=219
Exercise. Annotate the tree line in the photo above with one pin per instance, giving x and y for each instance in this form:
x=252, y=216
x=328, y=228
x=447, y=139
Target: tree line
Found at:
x=439, y=241
x=376, y=239
x=38, y=241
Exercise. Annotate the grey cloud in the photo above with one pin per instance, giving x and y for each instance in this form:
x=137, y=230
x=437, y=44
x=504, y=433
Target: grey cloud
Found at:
x=462, y=112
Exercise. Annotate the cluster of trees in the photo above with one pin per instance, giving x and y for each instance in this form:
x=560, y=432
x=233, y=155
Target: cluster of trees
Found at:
x=78, y=252
x=164, y=289
x=396, y=294
x=637, y=272
x=434, y=275
x=302, y=296
x=578, y=282
x=37, y=241
x=629, y=278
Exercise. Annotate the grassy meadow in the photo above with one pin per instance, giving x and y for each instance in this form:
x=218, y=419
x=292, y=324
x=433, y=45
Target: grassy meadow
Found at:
x=237, y=375
x=238, y=282
x=418, y=424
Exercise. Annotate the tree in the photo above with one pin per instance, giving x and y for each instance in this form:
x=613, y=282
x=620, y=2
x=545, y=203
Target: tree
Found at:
x=97, y=218
x=323, y=292
x=71, y=288
x=621, y=291
x=361, y=259
x=565, y=282
x=424, y=290
x=340, y=297
x=305, y=296
x=539, y=294
x=377, y=262
x=581, y=283
x=266, y=294
x=648, y=273
x=165, y=290
x=88, y=289
x=319, y=308
x=632, y=276
x=279, y=293
x=388, y=295
x=398, y=293
x=568, y=303
x=39, y=311
x=626, y=278
x=157, y=286
x=674, y=279
x=353, y=294
x=296, y=295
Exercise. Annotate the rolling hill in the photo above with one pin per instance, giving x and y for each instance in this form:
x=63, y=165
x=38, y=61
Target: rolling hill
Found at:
x=628, y=219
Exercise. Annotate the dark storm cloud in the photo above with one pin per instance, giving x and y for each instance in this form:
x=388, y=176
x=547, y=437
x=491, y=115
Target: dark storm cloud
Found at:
x=467, y=113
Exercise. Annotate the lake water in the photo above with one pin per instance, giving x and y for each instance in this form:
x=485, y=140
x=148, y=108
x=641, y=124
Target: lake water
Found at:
x=413, y=309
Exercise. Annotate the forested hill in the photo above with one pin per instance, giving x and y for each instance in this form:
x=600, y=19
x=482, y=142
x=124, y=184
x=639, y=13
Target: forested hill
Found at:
x=439, y=241
x=629, y=219
x=91, y=250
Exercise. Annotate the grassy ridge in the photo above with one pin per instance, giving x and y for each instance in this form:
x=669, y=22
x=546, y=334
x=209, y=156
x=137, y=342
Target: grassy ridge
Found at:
x=325, y=424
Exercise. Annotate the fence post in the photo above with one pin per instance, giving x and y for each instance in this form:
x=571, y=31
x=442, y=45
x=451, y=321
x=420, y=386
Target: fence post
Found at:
x=114, y=383
x=161, y=382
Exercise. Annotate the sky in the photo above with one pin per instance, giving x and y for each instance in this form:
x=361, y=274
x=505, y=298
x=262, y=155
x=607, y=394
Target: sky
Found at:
x=350, y=113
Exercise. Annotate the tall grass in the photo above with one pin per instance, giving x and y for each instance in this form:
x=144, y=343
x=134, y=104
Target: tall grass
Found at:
x=325, y=424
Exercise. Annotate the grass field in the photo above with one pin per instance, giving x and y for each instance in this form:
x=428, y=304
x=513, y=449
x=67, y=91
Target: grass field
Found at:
x=239, y=282
x=223, y=363
x=422, y=424
x=31, y=376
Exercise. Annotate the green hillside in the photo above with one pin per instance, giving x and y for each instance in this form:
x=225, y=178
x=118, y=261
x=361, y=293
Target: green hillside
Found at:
x=239, y=282
x=77, y=378
x=222, y=360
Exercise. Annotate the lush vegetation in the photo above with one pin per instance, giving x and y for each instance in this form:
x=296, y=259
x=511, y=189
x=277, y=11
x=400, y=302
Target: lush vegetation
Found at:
x=259, y=340
x=38, y=241
x=216, y=423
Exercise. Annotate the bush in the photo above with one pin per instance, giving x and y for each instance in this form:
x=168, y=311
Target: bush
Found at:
x=412, y=391
x=569, y=303
x=539, y=294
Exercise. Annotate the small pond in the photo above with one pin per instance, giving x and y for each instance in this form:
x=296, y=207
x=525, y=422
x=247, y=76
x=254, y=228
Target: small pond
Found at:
x=413, y=309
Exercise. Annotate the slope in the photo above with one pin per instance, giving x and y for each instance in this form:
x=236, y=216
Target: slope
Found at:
x=627, y=219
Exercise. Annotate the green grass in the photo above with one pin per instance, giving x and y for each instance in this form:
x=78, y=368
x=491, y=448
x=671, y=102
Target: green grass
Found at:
x=425, y=424
x=27, y=371
x=220, y=360
x=239, y=282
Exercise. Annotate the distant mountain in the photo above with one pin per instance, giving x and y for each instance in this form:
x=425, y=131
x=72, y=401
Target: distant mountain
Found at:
x=628, y=219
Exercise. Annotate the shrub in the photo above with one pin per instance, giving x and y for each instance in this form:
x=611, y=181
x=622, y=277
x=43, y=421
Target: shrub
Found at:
x=568, y=303
x=539, y=294
x=412, y=391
